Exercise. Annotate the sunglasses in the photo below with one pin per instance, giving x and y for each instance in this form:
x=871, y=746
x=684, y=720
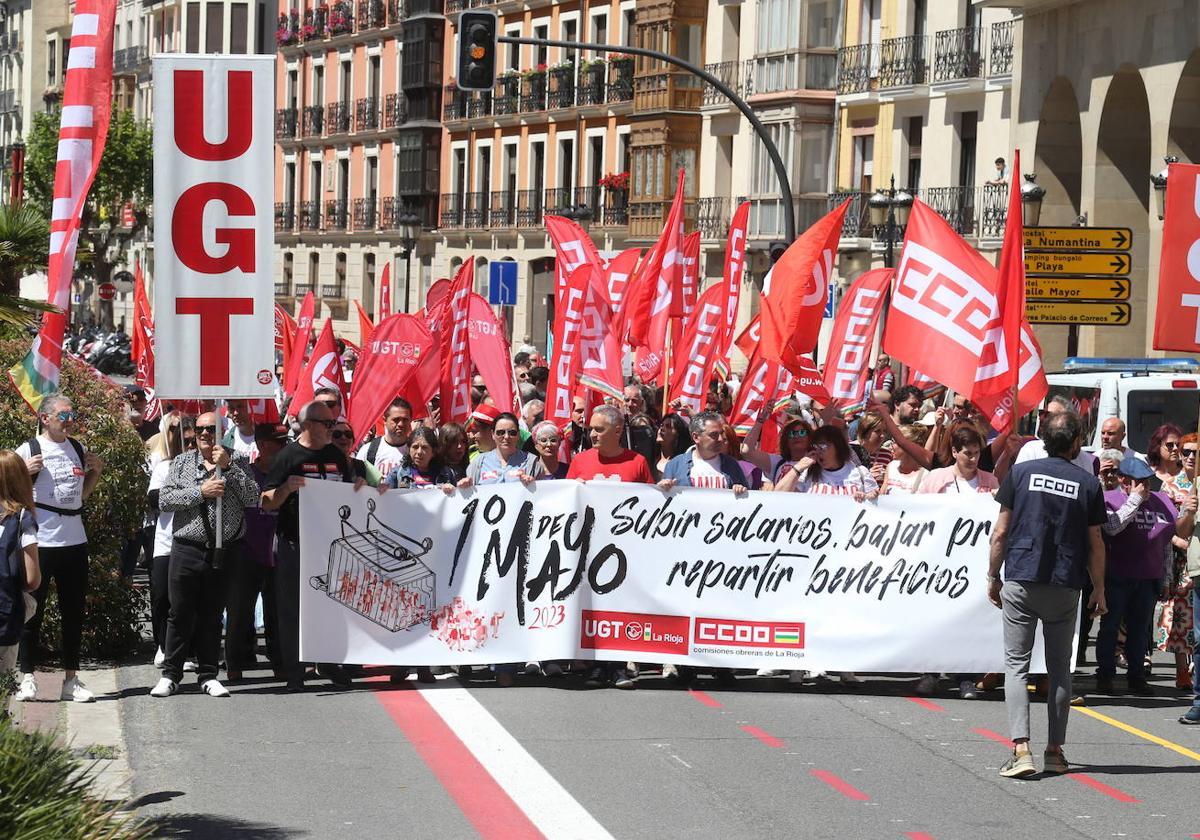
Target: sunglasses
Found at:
x=66, y=416
x=1171, y=446
x=328, y=424
x=506, y=432
x=206, y=430
x=342, y=435
x=1189, y=453
x=797, y=433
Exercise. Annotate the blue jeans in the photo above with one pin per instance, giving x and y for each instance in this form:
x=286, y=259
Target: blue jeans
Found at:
x=1196, y=642
x=1132, y=601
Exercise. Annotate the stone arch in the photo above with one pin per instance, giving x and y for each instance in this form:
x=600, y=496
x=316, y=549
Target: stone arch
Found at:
x=1058, y=155
x=1183, y=132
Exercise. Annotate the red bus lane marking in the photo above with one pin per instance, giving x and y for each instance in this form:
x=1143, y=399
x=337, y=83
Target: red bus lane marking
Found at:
x=701, y=697
x=482, y=801
x=998, y=738
x=1107, y=790
x=918, y=835
x=840, y=785
x=769, y=740
x=925, y=704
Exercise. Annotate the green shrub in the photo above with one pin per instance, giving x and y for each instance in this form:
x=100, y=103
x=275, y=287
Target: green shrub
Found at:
x=44, y=793
x=112, y=512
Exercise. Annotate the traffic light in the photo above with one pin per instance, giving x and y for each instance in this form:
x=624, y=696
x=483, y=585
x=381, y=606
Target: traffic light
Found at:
x=477, y=50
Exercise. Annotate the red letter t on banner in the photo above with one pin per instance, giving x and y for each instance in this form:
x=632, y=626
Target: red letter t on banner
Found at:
x=214, y=332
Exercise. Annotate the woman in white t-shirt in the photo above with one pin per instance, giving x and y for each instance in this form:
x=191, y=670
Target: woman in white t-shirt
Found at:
x=903, y=474
x=828, y=469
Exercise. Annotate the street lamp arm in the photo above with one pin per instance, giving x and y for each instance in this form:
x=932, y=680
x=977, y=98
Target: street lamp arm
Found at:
x=785, y=187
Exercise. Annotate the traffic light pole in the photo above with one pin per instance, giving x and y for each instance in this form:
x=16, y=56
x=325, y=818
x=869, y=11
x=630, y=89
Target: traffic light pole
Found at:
x=785, y=187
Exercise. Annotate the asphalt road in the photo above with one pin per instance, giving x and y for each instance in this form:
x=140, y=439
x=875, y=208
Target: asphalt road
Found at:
x=551, y=758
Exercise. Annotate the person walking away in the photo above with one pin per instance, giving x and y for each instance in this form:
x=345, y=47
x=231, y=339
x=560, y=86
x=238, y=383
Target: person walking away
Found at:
x=197, y=482
x=1047, y=538
x=20, y=574
x=64, y=476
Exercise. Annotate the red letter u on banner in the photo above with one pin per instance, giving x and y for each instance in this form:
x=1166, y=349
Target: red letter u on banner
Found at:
x=189, y=115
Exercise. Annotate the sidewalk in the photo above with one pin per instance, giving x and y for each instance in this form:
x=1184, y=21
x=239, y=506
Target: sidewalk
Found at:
x=92, y=730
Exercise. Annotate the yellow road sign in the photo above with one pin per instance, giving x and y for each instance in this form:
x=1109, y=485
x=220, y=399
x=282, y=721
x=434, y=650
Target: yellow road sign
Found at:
x=1098, y=313
x=1077, y=288
x=1078, y=239
x=1081, y=264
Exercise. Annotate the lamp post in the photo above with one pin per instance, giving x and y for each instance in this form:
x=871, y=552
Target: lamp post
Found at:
x=1160, y=185
x=889, y=209
x=1032, y=195
x=410, y=228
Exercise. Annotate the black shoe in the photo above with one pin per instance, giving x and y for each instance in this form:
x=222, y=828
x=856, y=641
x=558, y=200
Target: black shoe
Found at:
x=334, y=674
x=685, y=675
x=1140, y=688
x=295, y=685
x=596, y=678
x=725, y=677
x=1104, y=684
x=399, y=676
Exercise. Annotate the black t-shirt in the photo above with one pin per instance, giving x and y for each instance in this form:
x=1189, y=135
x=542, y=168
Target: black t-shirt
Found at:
x=1053, y=503
x=295, y=459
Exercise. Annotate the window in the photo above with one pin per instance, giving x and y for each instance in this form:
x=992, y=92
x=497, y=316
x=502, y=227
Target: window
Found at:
x=239, y=27
x=289, y=268
x=541, y=53
x=51, y=64
x=566, y=164
x=570, y=32
x=214, y=27
x=512, y=59
x=764, y=181
x=823, y=24
x=816, y=141
x=778, y=25
x=314, y=269
x=600, y=30
x=368, y=289
x=864, y=162
x=968, y=128
x=914, y=129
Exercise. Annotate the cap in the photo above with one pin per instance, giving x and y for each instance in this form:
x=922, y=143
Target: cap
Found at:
x=270, y=431
x=485, y=414
x=1135, y=468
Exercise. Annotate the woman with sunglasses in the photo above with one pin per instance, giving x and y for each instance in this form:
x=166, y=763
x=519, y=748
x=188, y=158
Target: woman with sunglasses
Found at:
x=507, y=462
x=547, y=441
x=421, y=467
x=1174, y=617
x=828, y=469
x=674, y=438
x=1162, y=454
x=342, y=437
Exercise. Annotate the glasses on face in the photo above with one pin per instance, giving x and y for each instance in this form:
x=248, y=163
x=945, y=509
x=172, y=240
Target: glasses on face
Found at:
x=189, y=442
x=551, y=441
x=1108, y=473
x=1171, y=445
x=794, y=434
x=328, y=424
x=206, y=430
x=1189, y=452
x=66, y=416
x=506, y=432
x=342, y=434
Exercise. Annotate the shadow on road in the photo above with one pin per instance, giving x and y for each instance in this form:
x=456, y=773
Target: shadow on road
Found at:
x=213, y=827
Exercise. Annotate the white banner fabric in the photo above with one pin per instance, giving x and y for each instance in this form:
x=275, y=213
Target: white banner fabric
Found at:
x=619, y=572
x=214, y=234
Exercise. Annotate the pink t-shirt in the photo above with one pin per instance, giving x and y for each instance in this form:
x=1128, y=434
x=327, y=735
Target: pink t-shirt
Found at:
x=946, y=480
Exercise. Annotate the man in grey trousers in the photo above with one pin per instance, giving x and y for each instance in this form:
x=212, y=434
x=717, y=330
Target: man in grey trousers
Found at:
x=1047, y=537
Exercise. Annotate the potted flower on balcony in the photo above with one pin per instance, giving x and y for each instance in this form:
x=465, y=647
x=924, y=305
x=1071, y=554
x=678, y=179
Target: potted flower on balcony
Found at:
x=616, y=187
x=339, y=21
x=538, y=72
x=286, y=33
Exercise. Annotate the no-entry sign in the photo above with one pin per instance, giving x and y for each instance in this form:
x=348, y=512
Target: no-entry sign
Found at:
x=106, y=291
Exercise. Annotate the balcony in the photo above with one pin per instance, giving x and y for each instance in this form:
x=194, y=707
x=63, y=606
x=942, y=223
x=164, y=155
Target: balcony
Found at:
x=366, y=114
x=1000, y=50
x=10, y=42
x=337, y=118
x=314, y=121
x=957, y=55
x=452, y=211
x=646, y=218
x=620, y=80
x=562, y=88
x=590, y=90
x=333, y=291
x=712, y=217
x=395, y=110
x=507, y=97
x=366, y=214
x=285, y=216
x=667, y=91
x=615, y=211
x=529, y=208
x=728, y=72
x=766, y=214
x=975, y=212
x=337, y=215
x=857, y=66
x=285, y=123
x=288, y=30
x=793, y=70
x=480, y=105
x=301, y=289
x=340, y=19
x=476, y=206
x=310, y=216
x=503, y=210
x=856, y=224
x=127, y=60
x=903, y=62
x=372, y=14
x=283, y=289
x=533, y=93
x=558, y=199
x=454, y=103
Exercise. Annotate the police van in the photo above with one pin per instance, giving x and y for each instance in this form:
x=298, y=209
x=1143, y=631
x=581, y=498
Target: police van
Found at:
x=1145, y=393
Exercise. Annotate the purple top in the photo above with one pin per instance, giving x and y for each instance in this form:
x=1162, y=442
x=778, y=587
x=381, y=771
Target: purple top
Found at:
x=1139, y=550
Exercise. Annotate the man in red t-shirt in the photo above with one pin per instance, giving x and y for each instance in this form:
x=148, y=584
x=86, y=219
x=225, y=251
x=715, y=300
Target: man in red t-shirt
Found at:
x=607, y=460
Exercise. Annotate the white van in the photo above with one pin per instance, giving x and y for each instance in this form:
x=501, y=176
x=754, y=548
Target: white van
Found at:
x=1145, y=393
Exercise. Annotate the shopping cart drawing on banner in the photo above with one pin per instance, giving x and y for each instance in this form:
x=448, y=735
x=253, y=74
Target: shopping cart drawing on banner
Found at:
x=378, y=573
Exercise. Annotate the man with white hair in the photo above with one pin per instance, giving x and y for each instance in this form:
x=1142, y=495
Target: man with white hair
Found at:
x=1036, y=448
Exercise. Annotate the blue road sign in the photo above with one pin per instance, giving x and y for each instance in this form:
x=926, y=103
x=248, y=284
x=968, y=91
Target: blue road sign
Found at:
x=502, y=283
x=829, y=302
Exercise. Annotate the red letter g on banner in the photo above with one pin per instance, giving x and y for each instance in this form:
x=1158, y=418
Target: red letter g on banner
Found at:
x=187, y=229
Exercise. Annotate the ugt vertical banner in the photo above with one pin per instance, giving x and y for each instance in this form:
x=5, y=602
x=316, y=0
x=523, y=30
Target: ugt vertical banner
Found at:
x=214, y=196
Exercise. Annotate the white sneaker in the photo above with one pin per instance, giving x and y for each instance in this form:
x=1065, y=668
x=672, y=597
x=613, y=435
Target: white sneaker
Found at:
x=28, y=689
x=165, y=688
x=189, y=665
x=769, y=672
x=927, y=685
x=533, y=669
x=75, y=690
x=159, y=658
x=213, y=688
x=850, y=678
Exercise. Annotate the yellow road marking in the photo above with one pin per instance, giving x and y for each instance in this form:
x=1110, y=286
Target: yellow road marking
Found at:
x=1133, y=730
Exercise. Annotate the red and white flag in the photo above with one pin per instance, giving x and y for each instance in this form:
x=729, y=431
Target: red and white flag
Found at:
x=285, y=333
x=659, y=279
x=599, y=344
x=945, y=320
x=142, y=351
x=697, y=353
x=795, y=291
x=848, y=362
x=294, y=360
x=766, y=386
x=572, y=248
x=324, y=370
x=456, y=348
x=365, y=326
x=568, y=327
x=385, y=292
x=683, y=303
x=735, y=270
x=620, y=269
x=1177, y=315
x=83, y=131
x=489, y=352
x=400, y=359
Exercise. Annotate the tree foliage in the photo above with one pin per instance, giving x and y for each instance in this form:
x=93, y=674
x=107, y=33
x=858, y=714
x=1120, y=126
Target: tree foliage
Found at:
x=24, y=247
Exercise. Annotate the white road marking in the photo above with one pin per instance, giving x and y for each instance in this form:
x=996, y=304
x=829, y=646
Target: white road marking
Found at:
x=546, y=802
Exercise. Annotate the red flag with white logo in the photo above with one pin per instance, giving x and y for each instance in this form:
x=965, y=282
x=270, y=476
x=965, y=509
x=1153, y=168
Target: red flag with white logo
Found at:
x=489, y=352
x=599, y=345
x=568, y=327
x=1177, y=316
x=295, y=359
x=658, y=279
x=697, y=352
x=456, y=348
x=735, y=270
x=848, y=361
x=324, y=370
x=620, y=270
x=400, y=359
x=795, y=291
x=572, y=248
x=684, y=302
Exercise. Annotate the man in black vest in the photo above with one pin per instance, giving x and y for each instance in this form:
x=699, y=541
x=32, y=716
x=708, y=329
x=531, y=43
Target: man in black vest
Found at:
x=1048, y=540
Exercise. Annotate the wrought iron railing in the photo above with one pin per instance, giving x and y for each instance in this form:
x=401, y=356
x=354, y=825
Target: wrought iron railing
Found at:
x=390, y=211
x=285, y=216
x=1000, y=49
x=588, y=204
x=712, y=217
x=366, y=114
x=857, y=65
x=337, y=118
x=529, y=208
x=283, y=289
x=285, y=123
x=310, y=215
x=452, y=210
x=475, y=210
x=507, y=98
x=313, y=123
x=957, y=54
x=590, y=90
x=301, y=289
x=561, y=93
x=337, y=214
x=533, y=93
x=454, y=103
x=371, y=14
x=856, y=223
x=366, y=214
x=616, y=208
x=503, y=211
x=903, y=61
x=333, y=291
x=620, y=81
x=395, y=110
x=728, y=72
x=480, y=104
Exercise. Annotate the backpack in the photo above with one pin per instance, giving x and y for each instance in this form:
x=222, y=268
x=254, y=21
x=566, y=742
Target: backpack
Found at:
x=373, y=450
x=35, y=449
x=12, y=581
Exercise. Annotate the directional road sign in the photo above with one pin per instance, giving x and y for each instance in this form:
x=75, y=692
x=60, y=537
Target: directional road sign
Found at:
x=1078, y=239
x=1081, y=264
x=502, y=283
x=1077, y=288
x=1096, y=313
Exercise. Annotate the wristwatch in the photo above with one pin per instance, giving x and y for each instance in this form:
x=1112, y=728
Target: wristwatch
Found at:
x=993, y=578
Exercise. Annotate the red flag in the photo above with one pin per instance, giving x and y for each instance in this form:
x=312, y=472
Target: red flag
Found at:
x=659, y=278
x=697, y=352
x=437, y=293
x=600, y=347
x=401, y=358
x=750, y=338
x=572, y=248
x=735, y=270
x=617, y=275
x=365, y=327
x=139, y=294
x=564, y=367
x=684, y=302
x=456, y=348
x=489, y=352
x=263, y=410
x=945, y=321
x=765, y=385
x=295, y=360
x=853, y=338
x=795, y=290
x=385, y=293
x=285, y=333
x=1177, y=316
x=323, y=370
x=142, y=351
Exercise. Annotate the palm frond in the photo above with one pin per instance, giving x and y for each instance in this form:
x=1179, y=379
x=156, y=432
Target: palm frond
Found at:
x=22, y=312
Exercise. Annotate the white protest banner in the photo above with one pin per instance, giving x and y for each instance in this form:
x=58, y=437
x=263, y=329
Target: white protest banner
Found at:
x=620, y=572
x=213, y=230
